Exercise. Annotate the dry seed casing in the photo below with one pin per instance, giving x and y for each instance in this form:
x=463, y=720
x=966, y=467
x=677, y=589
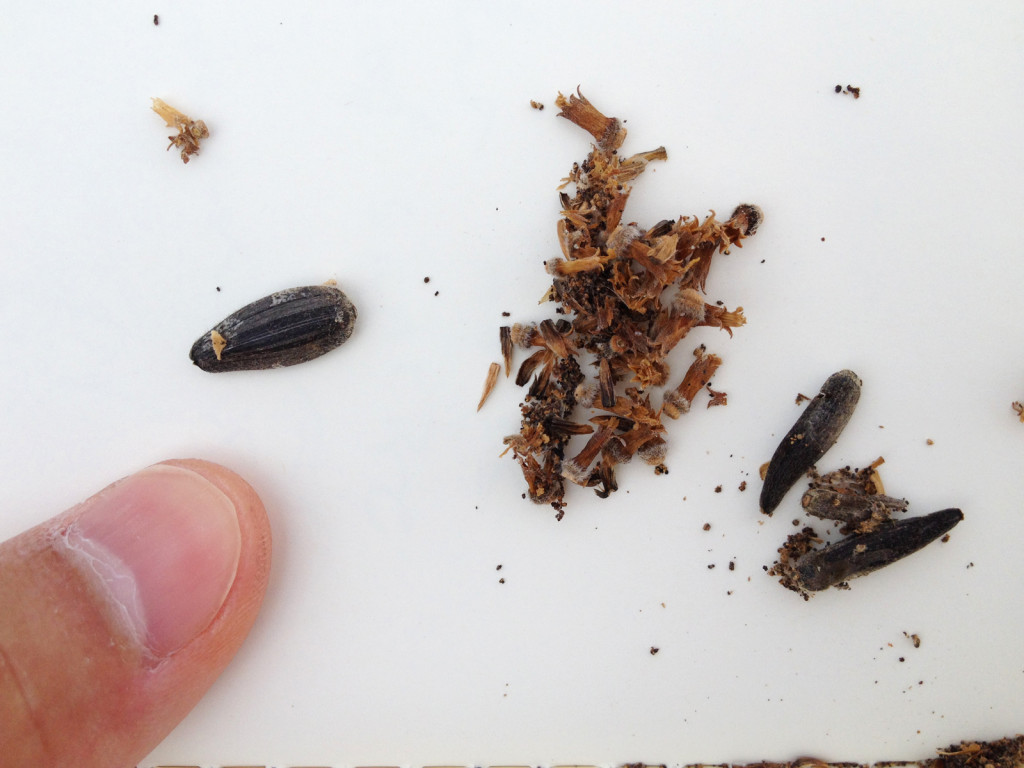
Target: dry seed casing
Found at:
x=859, y=555
x=814, y=433
x=284, y=328
x=850, y=508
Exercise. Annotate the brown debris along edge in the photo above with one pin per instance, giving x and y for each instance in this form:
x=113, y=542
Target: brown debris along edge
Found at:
x=1001, y=753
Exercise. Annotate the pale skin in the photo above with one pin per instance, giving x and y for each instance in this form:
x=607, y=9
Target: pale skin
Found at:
x=96, y=674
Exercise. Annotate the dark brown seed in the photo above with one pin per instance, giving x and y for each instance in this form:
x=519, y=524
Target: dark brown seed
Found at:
x=284, y=328
x=859, y=555
x=815, y=432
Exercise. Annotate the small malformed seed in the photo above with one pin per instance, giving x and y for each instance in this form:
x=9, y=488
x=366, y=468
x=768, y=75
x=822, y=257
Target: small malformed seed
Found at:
x=285, y=328
x=829, y=504
x=815, y=432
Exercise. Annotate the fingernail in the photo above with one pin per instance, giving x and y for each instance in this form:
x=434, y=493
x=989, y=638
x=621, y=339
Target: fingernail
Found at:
x=161, y=546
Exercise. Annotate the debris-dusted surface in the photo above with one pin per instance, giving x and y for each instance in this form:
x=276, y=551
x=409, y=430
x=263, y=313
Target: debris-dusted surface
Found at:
x=284, y=328
x=190, y=131
x=817, y=430
x=628, y=296
x=855, y=498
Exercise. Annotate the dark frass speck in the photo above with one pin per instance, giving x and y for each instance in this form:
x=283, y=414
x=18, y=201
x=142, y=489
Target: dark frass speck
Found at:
x=282, y=329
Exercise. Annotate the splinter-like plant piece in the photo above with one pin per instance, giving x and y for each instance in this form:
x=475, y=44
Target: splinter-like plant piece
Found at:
x=859, y=555
x=627, y=296
x=492, y=379
x=189, y=131
x=814, y=433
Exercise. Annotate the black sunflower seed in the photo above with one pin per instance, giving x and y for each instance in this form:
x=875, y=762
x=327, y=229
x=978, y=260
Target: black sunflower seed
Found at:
x=284, y=328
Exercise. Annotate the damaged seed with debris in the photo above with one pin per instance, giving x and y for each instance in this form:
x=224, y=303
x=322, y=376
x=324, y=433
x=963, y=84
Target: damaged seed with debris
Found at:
x=854, y=497
x=859, y=555
x=282, y=329
x=814, y=433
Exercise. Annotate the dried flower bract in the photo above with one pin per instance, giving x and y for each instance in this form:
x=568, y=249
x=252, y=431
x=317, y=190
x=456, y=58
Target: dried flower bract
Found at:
x=189, y=131
x=627, y=296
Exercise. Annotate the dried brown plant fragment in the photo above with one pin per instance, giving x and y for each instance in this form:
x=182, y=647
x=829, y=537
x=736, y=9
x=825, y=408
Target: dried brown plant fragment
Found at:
x=190, y=131
x=489, y=382
x=626, y=296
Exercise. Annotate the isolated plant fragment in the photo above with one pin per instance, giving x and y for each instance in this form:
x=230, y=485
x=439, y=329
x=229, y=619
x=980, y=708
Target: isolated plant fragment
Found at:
x=627, y=297
x=190, y=131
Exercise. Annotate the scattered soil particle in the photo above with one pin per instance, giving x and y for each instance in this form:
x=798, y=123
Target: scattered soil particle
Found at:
x=718, y=489
x=536, y=104
x=654, y=650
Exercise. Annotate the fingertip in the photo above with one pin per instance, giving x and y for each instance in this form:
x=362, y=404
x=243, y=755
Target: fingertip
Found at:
x=157, y=579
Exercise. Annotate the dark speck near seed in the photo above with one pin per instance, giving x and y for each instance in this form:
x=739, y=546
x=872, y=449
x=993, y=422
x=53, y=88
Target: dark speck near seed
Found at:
x=285, y=328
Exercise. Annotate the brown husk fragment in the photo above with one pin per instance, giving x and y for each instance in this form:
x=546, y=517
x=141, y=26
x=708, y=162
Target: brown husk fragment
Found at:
x=627, y=296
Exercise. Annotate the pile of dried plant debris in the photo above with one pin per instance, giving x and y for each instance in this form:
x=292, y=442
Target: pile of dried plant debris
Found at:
x=627, y=297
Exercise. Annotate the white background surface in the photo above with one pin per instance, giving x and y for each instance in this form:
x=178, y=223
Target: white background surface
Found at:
x=381, y=144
